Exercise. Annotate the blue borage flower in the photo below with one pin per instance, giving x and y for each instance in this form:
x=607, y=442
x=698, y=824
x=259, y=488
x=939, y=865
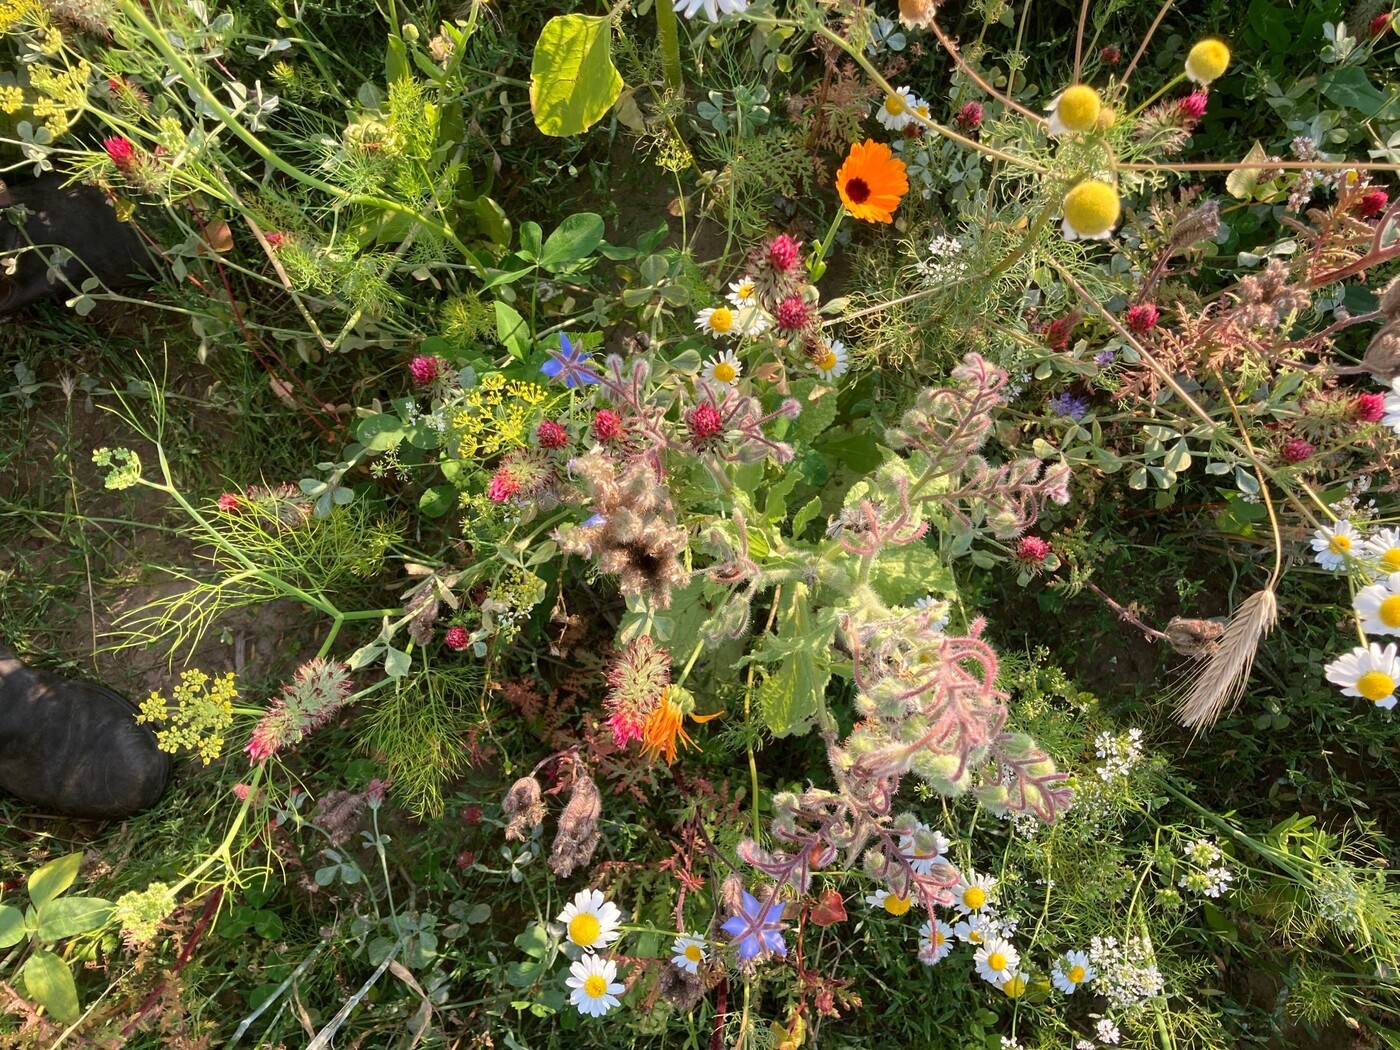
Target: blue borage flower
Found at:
x=571, y=363
x=757, y=928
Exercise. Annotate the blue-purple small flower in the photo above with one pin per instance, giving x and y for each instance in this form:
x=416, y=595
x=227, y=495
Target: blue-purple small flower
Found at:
x=1104, y=358
x=571, y=364
x=757, y=928
x=1075, y=406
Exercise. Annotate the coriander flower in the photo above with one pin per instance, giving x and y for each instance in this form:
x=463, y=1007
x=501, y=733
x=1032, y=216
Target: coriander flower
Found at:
x=714, y=9
x=1076, y=109
x=1070, y=971
x=1378, y=606
x=688, y=952
x=1207, y=61
x=935, y=941
x=591, y=921
x=1334, y=545
x=830, y=364
x=896, y=110
x=973, y=892
x=1091, y=210
x=890, y=901
x=1384, y=546
x=718, y=321
x=594, y=984
x=1107, y=1032
x=996, y=961
x=723, y=368
x=1202, y=852
x=1371, y=673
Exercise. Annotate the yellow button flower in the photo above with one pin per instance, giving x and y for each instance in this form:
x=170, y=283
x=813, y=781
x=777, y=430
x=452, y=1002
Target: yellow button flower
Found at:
x=1075, y=111
x=1091, y=210
x=1207, y=61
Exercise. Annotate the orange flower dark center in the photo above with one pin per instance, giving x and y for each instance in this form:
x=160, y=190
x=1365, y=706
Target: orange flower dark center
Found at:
x=858, y=191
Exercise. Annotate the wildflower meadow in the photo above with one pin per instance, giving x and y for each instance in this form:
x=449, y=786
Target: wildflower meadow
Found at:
x=706, y=524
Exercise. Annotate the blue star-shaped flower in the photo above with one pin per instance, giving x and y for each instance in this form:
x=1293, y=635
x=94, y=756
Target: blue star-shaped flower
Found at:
x=757, y=928
x=571, y=363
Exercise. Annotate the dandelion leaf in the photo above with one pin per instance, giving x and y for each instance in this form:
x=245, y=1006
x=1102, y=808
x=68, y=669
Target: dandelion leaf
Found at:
x=573, y=82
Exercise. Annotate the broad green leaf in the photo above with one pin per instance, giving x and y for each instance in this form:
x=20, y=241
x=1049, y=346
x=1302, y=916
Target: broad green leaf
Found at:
x=492, y=221
x=573, y=82
x=512, y=330
x=533, y=941
x=380, y=432
x=438, y=500
x=575, y=240
x=1242, y=182
x=1349, y=86
x=11, y=926
x=806, y=516
x=902, y=575
x=396, y=59
x=53, y=878
x=1178, y=460
x=70, y=916
x=396, y=662
x=48, y=982
x=791, y=697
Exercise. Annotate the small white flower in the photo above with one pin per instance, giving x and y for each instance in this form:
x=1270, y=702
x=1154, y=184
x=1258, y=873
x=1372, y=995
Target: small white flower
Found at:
x=1070, y=971
x=1335, y=545
x=1378, y=606
x=973, y=893
x=996, y=961
x=935, y=941
x=688, y=952
x=595, y=989
x=1384, y=546
x=1371, y=673
x=1202, y=852
x=923, y=860
x=1218, y=881
x=939, y=610
x=1392, y=406
x=975, y=929
x=1107, y=1032
x=896, y=110
x=723, y=368
x=888, y=901
x=718, y=321
x=743, y=292
x=832, y=363
x=714, y=9
x=591, y=921
x=752, y=321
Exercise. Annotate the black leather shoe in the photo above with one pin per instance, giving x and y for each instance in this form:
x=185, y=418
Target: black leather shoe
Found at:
x=74, y=747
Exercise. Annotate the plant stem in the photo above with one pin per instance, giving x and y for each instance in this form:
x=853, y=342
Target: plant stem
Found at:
x=816, y=267
x=670, y=45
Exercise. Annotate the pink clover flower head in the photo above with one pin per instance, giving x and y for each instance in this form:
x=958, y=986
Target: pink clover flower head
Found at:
x=503, y=485
x=784, y=253
x=551, y=434
x=1368, y=408
x=315, y=695
x=792, y=314
x=425, y=368
x=456, y=638
x=969, y=118
x=704, y=422
x=1191, y=108
x=230, y=503
x=1142, y=317
x=122, y=153
x=637, y=682
x=1372, y=203
x=607, y=425
x=1032, y=549
x=1297, y=450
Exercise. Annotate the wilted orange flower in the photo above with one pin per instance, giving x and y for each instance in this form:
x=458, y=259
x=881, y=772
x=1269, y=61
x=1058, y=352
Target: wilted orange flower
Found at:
x=872, y=181
x=665, y=725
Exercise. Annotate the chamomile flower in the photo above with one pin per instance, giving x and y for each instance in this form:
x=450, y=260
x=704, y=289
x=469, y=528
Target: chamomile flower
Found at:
x=890, y=901
x=895, y=111
x=1371, y=673
x=1091, y=210
x=1378, y=606
x=751, y=321
x=1070, y=971
x=1015, y=985
x=921, y=111
x=1075, y=110
x=743, y=292
x=723, y=368
x=1384, y=546
x=922, y=848
x=935, y=941
x=1207, y=61
x=1390, y=415
x=940, y=612
x=996, y=961
x=591, y=921
x=975, y=929
x=688, y=952
x=831, y=363
x=718, y=321
x=973, y=893
x=594, y=985
x=1335, y=545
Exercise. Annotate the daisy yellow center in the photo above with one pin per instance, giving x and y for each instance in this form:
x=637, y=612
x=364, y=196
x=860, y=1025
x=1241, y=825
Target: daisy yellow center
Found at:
x=595, y=987
x=858, y=190
x=722, y=320
x=745, y=291
x=724, y=372
x=1389, y=612
x=692, y=952
x=896, y=905
x=974, y=897
x=938, y=937
x=922, y=111
x=894, y=105
x=1375, y=685
x=1092, y=207
x=974, y=937
x=827, y=361
x=1078, y=108
x=1015, y=988
x=1076, y=974
x=996, y=962
x=584, y=930
x=1339, y=544
x=1391, y=558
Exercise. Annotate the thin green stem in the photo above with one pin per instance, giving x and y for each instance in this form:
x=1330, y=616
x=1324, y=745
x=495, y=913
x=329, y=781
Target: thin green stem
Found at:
x=670, y=45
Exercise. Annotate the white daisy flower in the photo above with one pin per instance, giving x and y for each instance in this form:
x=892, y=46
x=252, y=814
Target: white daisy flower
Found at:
x=1392, y=406
x=890, y=901
x=688, y=952
x=595, y=989
x=975, y=929
x=1335, y=545
x=1371, y=673
x=895, y=111
x=1070, y=971
x=935, y=941
x=973, y=893
x=751, y=321
x=939, y=610
x=743, y=292
x=718, y=321
x=714, y=9
x=922, y=859
x=1384, y=546
x=921, y=110
x=723, y=368
x=1378, y=606
x=832, y=363
x=996, y=961
x=591, y=921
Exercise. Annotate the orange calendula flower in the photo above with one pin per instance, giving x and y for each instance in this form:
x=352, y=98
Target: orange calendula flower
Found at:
x=664, y=726
x=872, y=181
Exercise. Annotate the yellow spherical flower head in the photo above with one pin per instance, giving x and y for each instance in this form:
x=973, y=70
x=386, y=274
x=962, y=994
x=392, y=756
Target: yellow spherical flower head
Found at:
x=872, y=181
x=1207, y=61
x=1091, y=211
x=1075, y=111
